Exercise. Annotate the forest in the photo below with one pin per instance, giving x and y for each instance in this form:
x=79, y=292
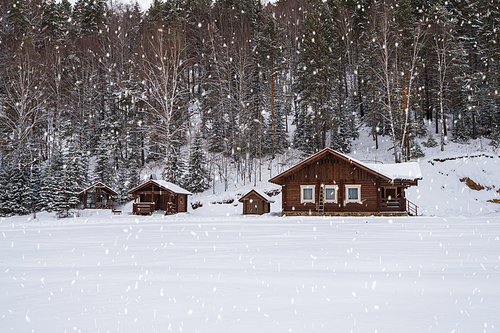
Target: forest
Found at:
x=97, y=91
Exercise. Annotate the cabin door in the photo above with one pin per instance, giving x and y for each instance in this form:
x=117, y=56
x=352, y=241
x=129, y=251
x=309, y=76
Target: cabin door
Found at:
x=253, y=207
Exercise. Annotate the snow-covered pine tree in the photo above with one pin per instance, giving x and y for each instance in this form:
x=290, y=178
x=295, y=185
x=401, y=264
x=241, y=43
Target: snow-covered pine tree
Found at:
x=90, y=15
x=77, y=162
x=67, y=195
x=51, y=181
x=32, y=197
x=431, y=141
x=462, y=125
x=74, y=171
x=17, y=187
x=341, y=137
x=198, y=179
x=303, y=138
x=269, y=54
x=122, y=184
x=278, y=137
x=17, y=17
x=174, y=167
x=24, y=180
x=5, y=206
x=317, y=69
x=55, y=18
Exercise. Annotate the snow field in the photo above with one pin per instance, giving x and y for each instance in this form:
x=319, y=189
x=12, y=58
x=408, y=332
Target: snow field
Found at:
x=222, y=272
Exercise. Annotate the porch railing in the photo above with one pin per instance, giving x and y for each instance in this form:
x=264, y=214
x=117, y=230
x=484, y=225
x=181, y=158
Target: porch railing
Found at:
x=411, y=208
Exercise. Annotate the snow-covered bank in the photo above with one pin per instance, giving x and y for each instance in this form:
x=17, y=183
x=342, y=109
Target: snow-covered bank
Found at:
x=227, y=273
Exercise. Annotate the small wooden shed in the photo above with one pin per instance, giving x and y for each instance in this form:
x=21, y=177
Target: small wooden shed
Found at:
x=159, y=195
x=256, y=202
x=98, y=196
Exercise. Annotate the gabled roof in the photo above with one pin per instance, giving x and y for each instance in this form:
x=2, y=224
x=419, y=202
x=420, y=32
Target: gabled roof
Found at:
x=264, y=196
x=99, y=185
x=163, y=184
x=390, y=172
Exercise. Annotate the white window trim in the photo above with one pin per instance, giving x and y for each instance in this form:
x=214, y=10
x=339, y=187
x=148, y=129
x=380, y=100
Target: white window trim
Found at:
x=336, y=187
x=347, y=187
x=302, y=187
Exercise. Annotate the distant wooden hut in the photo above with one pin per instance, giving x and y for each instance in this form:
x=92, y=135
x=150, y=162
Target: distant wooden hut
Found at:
x=98, y=196
x=256, y=202
x=332, y=183
x=159, y=195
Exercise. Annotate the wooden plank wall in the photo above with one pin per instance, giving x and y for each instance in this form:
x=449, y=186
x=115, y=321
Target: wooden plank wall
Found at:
x=331, y=170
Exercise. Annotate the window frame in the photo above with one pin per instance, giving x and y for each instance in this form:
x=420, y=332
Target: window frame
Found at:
x=336, y=187
x=302, y=187
x=347, y=200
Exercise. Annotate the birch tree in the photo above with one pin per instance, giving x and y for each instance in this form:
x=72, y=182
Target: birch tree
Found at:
x=160, y=68
x=24, y=98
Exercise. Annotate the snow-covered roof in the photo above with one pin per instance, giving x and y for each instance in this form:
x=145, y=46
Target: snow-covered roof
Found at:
x=164, y=185
x=170, y=186
x=406, y=171
x=109, y=189
x=260, y=193
x=409, y=170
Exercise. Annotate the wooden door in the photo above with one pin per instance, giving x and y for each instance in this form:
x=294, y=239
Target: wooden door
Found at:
x=253, y=207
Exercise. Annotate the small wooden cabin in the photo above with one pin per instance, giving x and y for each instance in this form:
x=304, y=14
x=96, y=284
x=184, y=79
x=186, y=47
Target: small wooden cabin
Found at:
x=98, y=196
x=331, y=183
x=256, y=202
x=159, y=195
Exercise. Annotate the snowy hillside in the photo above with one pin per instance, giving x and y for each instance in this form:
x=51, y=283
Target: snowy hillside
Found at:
x=440, y=192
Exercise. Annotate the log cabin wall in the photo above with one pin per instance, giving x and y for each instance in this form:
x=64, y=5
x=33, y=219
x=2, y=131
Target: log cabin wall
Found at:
x=253, y=200
x=331, y=170
x=163, y=199
x=171, y=201
x=182, y=203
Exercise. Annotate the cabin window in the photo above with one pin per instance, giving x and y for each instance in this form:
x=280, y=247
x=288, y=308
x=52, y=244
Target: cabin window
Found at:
x=331, y=193
x=353, y=193
x=307, y=193
x=180, y=199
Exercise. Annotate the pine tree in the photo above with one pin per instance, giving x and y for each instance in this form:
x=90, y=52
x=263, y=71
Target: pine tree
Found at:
x=317, y=71
x=17, y=17
x=69, y=178
x=198, y=178
x=269, y=53
x=303, y=137
x=77, y=162
x=55, y=18
x=51, y=182
x=175, y=167
x=5, y=205
x=276, y=137
x=90, y=15
x=431, y=142
x=341, y=133
x=34, y=175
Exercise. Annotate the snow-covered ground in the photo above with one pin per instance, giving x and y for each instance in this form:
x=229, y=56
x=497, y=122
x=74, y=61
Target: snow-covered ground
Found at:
x=214, y=270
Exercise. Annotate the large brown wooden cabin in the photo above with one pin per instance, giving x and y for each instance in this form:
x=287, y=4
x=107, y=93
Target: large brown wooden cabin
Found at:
x=159, y=195
x=331, y=183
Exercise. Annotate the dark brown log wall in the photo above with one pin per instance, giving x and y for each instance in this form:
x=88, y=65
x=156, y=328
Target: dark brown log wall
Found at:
x=331, y=170
x=262, y=205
